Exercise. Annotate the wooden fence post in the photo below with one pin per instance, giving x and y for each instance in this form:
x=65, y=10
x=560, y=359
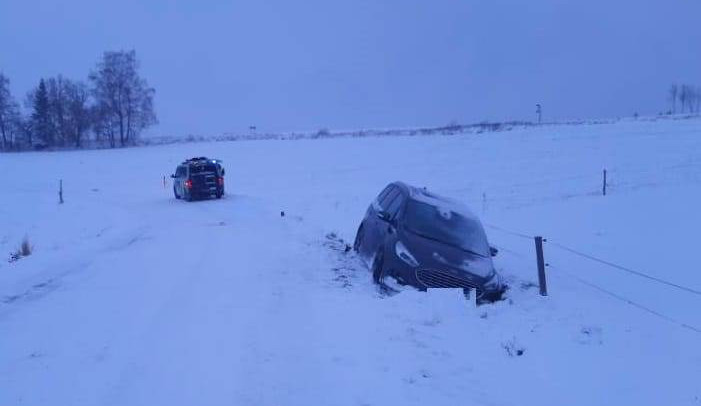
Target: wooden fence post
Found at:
x=541, y=266
x=604, y=186
x=60, y=191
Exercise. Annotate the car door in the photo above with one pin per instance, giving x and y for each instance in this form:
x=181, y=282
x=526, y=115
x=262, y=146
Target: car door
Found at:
x=179, y=179
x=369, y=225
x=374, y=235
x=391, y=206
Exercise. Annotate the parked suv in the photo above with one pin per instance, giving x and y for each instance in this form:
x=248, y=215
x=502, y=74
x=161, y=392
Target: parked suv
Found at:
x=427, y=241
x=198, y=178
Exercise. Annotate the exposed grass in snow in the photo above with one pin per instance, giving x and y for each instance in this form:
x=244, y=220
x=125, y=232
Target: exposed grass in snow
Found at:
x=25, y=249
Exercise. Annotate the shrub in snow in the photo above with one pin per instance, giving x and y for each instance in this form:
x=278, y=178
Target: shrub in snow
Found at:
x=25, y=249
x=513, y=348
x=324, y=132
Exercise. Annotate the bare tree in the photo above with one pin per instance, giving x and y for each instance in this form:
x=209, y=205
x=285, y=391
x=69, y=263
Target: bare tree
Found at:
x=693, y=96
x=673, y=92
x=5, y=107
x=9, y=115
x=683, y=96
x=79, y=112
x=56, y=92
x=124, y=101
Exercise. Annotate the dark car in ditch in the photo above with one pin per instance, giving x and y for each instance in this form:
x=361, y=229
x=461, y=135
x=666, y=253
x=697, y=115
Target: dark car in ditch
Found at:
x=199, y=178
x=427, y=241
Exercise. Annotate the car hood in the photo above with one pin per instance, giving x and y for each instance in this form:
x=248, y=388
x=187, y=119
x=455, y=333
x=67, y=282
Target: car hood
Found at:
x=435, y=254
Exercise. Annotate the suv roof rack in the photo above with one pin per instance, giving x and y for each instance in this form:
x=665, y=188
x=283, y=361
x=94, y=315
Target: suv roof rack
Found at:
x=202, y=158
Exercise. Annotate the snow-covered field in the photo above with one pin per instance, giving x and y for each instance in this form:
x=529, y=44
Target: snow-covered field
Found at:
x=134, y=298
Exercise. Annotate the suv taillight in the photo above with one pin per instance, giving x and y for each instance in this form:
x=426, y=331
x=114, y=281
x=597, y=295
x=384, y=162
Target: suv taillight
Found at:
x=220, y=180
x=188, y=184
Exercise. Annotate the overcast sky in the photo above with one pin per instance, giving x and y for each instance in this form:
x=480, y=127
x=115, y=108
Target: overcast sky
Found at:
x=221, y=66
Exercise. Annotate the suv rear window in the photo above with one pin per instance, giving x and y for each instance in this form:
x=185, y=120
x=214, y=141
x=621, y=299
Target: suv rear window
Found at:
x=194, y=169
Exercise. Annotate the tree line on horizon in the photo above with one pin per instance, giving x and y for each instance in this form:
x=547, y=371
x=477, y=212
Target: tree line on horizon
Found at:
x=688, y=96
x=111, y=108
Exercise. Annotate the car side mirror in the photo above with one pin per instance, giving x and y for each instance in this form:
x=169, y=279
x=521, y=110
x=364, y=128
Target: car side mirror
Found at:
x=223, y=172
x=384, y=216
x=172, y=176
x=493, y=251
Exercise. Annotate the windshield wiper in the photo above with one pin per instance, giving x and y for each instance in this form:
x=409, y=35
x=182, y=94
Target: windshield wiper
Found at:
x=451, y=244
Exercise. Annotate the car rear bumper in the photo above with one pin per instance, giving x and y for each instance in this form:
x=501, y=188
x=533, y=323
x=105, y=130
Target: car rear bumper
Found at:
x=205, y=193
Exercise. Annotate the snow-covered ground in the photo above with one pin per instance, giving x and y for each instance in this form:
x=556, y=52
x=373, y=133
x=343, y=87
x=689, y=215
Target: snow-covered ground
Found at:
x=134, y=298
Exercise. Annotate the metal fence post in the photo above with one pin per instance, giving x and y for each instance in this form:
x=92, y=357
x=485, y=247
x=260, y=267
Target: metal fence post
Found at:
x=60, y=191
x=541, y=266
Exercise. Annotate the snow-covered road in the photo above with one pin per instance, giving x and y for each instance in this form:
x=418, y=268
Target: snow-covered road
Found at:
x=134, y=298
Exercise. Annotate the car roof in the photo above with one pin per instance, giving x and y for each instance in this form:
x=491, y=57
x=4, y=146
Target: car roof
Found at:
x=423, y=195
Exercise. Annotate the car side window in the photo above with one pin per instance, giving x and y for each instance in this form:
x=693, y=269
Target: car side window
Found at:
x=384, y=203
x=383, y=194
x=180, y=172
x=394, y=205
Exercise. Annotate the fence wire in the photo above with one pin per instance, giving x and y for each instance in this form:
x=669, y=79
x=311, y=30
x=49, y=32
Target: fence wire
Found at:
x=628, y=301
x=599, y=260
x=611, y=265
x=623, y=268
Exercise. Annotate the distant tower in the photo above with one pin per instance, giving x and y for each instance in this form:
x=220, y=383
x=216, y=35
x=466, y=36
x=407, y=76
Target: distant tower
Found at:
x=539, y=112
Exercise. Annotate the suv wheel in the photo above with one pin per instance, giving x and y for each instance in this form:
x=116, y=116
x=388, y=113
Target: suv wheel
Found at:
x=175, y=192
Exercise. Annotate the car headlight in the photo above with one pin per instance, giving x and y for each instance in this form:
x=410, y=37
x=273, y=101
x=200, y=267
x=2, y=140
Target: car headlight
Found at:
x=404, y=254
x=494, y=283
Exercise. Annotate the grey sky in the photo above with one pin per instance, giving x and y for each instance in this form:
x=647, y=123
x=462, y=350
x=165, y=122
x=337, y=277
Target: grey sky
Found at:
x=222, y=65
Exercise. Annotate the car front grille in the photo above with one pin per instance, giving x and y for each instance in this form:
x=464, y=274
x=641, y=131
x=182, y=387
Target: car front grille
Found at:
x=441, y=279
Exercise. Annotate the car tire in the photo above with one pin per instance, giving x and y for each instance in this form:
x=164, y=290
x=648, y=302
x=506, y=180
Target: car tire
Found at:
x=188, y=197
x=484, y=297
x=379, y=272
x=175, y=192
x=359, y=238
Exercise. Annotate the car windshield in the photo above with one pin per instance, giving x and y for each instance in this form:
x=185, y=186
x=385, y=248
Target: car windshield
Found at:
x=203, y=168
x=447, y=226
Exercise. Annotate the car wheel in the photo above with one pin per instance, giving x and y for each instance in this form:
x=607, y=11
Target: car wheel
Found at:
x=359, y=238
x=175, y=192
x=484, y=297
x=379, y=271
x=188, y=197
